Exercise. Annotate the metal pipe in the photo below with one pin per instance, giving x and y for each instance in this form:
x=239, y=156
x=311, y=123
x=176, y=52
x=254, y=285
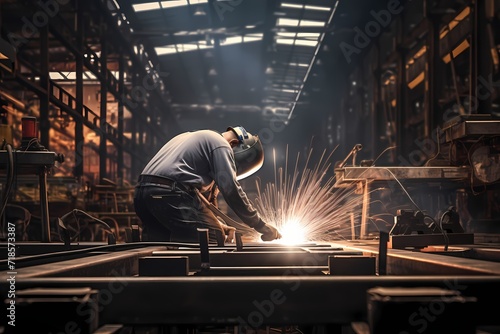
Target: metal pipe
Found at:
x=353, y=153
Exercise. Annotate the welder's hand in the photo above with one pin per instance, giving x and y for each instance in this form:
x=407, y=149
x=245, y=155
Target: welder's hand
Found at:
x=268, y=232
x=230, y=233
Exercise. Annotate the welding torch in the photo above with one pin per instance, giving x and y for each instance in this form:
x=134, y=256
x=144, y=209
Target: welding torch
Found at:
x=353, y=152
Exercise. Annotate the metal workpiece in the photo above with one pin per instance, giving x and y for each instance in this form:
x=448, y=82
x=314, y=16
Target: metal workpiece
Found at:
x=471, y=127
x=256, y=258
x=88, y=264
x=348, y=174
x=165, y=284
x=259, y=301
x=433, y=260
x=455, y=311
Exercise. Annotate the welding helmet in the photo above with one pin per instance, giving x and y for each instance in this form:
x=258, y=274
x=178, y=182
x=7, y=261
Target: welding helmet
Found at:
x=248, y=154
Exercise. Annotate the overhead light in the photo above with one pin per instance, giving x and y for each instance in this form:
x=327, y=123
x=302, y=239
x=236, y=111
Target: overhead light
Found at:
x=290, y=41
x=232, y=40
x=283, y=22
x=269, y=70
x=309, y=7
x=299, y=64
x=155, y=5
x=146, y=6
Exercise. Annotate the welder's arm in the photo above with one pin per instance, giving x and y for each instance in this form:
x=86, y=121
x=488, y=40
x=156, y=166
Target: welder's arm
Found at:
x=235, y=197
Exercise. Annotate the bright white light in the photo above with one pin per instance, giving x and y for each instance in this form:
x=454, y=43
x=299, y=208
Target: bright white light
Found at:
x=283, y=22
x=146, y=6
x=289, y=41
x=285, y=90
x=292, y=233
x=292, y=5
x=173, y=3
x=165, y=4
x=169, y=49
x=165, y=50
x=301, y=35
x=233, y=40
x=296, y=6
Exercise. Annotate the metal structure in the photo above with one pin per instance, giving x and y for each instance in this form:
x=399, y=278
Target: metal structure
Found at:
x=110, y=81
x=309, y=287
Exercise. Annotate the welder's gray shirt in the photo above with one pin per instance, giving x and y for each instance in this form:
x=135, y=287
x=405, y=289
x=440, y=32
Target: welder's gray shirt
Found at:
x=198, y=158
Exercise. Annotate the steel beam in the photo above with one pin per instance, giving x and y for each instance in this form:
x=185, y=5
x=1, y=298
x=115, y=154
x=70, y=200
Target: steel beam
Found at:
x=257, y=301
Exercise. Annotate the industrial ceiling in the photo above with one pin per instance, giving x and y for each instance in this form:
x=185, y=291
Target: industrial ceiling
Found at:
x=262, y=58
x=237, y=60
x=277, y=64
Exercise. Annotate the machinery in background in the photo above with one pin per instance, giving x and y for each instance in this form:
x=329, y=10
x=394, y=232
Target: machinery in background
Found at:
x=31, y=158
x=89, y=210
x=417, y=230
x=474, y=141
x=34, y=198
x=463, y=173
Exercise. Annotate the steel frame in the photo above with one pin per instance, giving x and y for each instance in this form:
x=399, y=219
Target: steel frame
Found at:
x=256, y=286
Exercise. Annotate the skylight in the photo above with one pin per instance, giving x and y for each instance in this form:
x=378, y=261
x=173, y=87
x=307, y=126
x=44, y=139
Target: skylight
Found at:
x=282, y=22
x=165, y=4
x=309, y=7
x=301, y=35
x=292, y=41
x=286, y=90
x=298, y=38
x=146, y=6
x=169, y=49
x=201, y=45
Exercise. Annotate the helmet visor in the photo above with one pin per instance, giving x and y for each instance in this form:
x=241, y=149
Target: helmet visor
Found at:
x=248, y=154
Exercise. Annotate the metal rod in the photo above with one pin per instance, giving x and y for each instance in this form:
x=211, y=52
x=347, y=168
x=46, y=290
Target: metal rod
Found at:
x=204, y=254
x=382, y=253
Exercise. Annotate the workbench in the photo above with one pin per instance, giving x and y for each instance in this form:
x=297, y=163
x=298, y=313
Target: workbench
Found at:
x=38, y=163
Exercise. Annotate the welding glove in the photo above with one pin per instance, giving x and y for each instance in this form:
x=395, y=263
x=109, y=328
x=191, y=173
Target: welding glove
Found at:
x=268, y=232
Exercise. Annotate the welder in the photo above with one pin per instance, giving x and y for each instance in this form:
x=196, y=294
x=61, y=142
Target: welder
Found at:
x=178, y=187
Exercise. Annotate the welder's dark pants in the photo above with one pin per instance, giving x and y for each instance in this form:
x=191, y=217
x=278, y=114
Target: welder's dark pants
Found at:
x=174, y=215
